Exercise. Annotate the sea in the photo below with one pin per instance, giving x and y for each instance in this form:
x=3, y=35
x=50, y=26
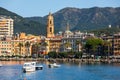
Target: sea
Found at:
x=12, y=70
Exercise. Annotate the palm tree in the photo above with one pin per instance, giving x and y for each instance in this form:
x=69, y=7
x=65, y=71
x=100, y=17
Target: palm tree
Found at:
x=20, y=45
x=44, y=44
x=27, y=45
x=37, y=46
x=108, y=45
x=78, y=43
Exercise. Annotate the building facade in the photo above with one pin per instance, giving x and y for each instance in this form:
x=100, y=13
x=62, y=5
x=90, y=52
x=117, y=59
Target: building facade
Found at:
x=6, y=27
x=116, y=44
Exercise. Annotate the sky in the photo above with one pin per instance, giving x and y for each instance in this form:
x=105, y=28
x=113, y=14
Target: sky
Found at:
x=30, y=8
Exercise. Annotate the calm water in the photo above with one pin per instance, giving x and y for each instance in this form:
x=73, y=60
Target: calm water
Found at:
x=13, y=71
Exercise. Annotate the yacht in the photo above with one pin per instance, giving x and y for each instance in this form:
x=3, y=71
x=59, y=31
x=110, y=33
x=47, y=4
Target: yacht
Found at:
x=54, y=65
x=29, y=66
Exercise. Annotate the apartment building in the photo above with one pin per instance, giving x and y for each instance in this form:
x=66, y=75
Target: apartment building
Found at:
x=6, y=27
x=116, y=44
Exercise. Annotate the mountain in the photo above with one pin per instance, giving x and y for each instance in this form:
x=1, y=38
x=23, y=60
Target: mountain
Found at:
x=23, y=25
x=78, y=19
x=84, y=19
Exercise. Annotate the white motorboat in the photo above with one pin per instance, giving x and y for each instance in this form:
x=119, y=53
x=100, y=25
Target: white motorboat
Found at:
x=54, y=65
x=29, y=66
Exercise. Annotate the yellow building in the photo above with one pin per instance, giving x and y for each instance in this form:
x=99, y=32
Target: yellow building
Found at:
x=5, y=48
x=17, y=49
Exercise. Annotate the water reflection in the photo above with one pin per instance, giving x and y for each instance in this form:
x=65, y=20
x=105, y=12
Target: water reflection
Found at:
x=12, y=62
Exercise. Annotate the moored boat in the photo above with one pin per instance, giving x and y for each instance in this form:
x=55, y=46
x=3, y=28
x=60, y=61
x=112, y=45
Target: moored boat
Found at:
x=29, y=66
x=39, y=67
x=54, y=65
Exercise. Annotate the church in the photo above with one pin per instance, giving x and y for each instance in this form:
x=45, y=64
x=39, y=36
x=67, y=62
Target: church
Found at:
x=52, y=41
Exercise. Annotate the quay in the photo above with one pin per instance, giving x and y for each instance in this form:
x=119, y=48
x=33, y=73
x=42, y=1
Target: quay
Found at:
x=63, y=60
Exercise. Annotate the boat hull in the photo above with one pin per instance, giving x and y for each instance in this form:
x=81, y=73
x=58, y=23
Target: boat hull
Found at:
x=53, y=66
x=29, y=69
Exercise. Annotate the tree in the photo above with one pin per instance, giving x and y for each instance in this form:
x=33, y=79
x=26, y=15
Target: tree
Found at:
x=107, y=44
x=92, y=45
x=63, y=55
x=20, y=45
x=37, y=48
x=78, y=55
x=27, y=45
x=52, y=54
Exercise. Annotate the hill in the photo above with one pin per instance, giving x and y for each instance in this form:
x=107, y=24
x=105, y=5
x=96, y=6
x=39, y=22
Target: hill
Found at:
x=84, y=19
x=79, y=19
x=23, y=25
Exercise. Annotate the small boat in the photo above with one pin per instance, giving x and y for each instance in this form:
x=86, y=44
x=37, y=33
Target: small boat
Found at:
x=54, y=65
x=39, y=67
x=31, y=66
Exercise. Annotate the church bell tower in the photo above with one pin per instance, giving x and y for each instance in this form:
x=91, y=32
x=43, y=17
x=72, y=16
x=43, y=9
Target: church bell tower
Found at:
x=50, y=26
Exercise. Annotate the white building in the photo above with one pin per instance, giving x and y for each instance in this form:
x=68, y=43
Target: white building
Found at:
x=6, y=27
x=73, y=40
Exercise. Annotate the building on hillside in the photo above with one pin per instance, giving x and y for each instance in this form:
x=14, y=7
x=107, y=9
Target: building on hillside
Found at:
x=116, y=44
x=6, y=27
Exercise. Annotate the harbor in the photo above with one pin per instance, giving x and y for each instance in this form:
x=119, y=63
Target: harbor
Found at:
x=70, y=71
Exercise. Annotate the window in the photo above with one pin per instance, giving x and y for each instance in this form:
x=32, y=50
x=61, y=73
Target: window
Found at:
x=50, y=22
x=50, y=29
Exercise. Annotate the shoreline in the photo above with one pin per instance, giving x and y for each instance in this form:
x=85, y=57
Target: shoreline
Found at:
x=64, y=60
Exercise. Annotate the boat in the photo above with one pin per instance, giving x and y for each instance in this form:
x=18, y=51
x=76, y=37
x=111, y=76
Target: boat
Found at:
x=38, y=67
x=31, y=66
x=54, y=65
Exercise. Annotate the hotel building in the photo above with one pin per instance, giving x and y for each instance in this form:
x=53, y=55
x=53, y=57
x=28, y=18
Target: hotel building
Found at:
x=6, y=27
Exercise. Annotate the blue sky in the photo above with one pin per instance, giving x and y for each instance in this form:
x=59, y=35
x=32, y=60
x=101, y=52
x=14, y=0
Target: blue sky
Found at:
x=28, y=8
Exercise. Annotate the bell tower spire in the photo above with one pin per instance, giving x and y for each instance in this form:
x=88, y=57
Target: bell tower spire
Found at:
x=50, y=26
x=67, y=27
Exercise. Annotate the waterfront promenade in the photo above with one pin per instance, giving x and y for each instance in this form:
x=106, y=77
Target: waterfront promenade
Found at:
x=64, y=60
